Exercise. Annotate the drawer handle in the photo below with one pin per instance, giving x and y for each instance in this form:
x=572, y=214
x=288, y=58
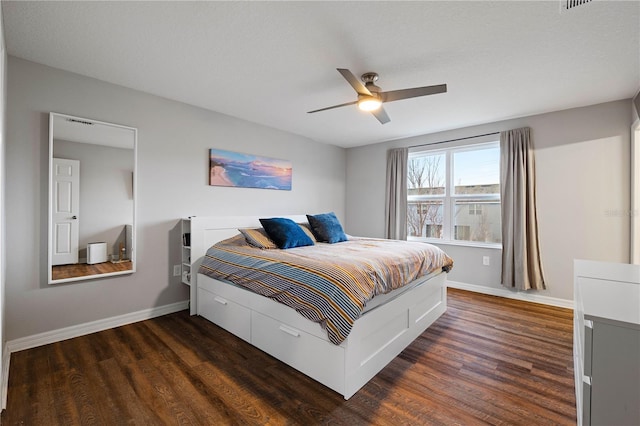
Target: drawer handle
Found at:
x=290, y=331
x=220, y=300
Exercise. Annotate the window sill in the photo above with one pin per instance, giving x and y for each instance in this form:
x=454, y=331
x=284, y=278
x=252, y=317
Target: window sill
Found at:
x=476, y=244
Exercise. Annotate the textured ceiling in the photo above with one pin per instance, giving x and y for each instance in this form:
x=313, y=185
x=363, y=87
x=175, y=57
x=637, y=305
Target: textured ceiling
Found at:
x=270, y=62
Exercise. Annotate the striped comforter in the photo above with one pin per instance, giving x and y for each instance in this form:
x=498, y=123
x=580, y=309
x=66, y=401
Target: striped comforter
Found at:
x=326, y=283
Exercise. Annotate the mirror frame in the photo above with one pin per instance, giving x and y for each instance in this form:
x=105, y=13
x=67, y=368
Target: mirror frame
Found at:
x=634, y=212
x=52, y=116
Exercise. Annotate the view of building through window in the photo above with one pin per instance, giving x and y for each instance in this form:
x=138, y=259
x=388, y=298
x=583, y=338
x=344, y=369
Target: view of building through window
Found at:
x=454, y=194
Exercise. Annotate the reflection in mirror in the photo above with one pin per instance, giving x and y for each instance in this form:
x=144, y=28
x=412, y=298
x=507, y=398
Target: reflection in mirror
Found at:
x=91, y=199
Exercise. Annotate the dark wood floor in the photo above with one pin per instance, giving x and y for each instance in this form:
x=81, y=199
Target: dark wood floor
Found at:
x=487, y=360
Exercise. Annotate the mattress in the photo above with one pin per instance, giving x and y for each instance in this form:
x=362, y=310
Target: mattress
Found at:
x=331, y=284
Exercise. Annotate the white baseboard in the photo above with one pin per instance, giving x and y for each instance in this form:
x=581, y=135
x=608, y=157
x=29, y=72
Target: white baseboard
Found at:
x=77, y=331
x=4, y=387
x=521, y=295
x=92, y=327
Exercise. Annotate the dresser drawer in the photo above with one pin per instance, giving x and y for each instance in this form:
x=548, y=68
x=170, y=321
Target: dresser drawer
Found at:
x=301, y=350
x=229, y=315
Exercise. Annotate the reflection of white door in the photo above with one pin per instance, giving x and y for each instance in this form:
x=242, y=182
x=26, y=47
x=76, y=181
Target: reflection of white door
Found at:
x=66, y=206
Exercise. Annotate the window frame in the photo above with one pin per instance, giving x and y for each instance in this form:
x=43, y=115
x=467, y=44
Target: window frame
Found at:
x=449, y=198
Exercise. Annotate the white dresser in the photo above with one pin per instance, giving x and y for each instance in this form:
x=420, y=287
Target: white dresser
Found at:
x=606, y=343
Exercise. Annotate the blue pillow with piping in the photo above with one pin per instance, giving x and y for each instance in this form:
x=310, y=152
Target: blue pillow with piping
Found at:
x=285, y=233
x=326, y=228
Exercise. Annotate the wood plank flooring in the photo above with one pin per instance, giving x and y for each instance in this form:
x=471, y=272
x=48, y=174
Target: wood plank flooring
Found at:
x=487, y=360
x=61, y=272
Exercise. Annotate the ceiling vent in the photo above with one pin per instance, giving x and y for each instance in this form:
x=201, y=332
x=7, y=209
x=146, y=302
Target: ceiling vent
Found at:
x=571, y=4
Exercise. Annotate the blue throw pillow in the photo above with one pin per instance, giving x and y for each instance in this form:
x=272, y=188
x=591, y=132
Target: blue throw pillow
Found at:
x=326, y=228
x=285, y=233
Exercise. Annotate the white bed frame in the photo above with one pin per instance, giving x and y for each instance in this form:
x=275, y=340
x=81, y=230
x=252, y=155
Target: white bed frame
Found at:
x=376, y=338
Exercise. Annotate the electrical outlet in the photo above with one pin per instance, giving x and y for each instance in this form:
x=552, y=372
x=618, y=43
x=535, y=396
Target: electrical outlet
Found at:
x=486, y=260
x=176, y=270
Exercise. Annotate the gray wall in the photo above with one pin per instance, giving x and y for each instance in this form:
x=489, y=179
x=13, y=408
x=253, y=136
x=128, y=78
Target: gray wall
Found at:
x=583, y=187
x=173, y=144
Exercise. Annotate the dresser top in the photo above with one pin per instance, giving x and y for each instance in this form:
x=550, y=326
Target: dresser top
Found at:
x=607, y=290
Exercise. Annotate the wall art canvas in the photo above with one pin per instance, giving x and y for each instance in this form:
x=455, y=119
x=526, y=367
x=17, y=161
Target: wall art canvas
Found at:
x=227, y=168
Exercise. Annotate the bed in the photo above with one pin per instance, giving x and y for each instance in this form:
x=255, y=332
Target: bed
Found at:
x=389, y=323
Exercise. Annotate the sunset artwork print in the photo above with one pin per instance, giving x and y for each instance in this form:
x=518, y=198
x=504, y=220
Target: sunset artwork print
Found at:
x=227, y=168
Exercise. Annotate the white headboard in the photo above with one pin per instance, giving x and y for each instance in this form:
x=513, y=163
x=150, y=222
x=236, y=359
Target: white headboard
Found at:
x=208, y=230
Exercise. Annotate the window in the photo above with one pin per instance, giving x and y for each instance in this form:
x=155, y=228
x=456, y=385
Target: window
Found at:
x=434, y=231
x=454, y=193
x=462, y=232
x=475, y=209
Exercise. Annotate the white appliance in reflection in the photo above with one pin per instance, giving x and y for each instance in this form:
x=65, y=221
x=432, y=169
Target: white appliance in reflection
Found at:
x=96, y=253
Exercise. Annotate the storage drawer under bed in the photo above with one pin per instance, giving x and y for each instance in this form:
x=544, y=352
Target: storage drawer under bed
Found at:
x=229, y=315
x=303, y=351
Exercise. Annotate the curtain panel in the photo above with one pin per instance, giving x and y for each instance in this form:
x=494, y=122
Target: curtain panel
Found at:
x=521, y=263
x=396, y=194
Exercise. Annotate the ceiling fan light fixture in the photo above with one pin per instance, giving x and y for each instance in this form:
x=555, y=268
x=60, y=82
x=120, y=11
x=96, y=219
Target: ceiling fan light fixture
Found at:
x=371, y=97
x=369, y=103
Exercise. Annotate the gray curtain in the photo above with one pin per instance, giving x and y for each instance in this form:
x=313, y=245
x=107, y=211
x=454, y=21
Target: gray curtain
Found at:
x=396, y=194
x=521, y=264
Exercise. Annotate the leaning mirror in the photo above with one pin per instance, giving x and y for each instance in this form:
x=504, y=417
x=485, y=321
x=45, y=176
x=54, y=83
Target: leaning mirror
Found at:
x=92, y=175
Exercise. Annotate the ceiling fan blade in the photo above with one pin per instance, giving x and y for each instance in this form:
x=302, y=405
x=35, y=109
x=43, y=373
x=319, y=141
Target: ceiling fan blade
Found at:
x=396, y=95
x=354, y=82
x=381, y=115
x=332, y=107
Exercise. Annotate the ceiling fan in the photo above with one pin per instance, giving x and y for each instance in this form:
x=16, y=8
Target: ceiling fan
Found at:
x=371, y=97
